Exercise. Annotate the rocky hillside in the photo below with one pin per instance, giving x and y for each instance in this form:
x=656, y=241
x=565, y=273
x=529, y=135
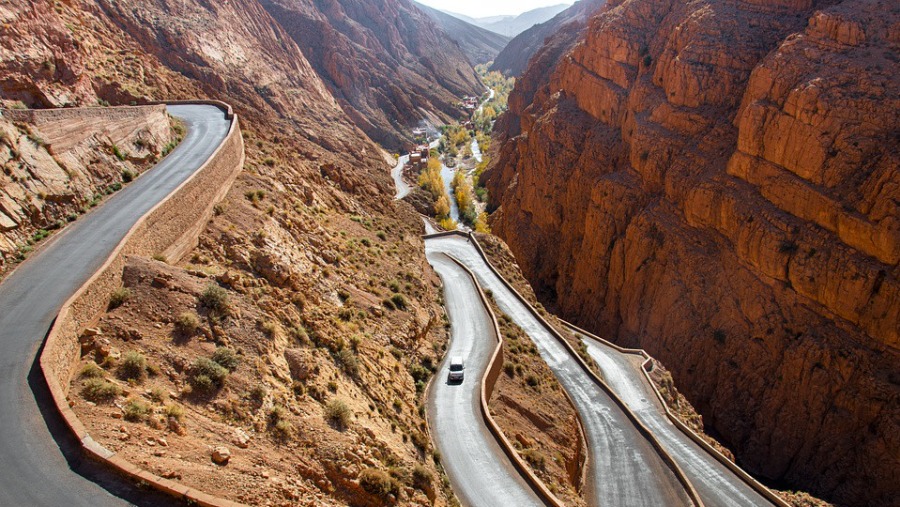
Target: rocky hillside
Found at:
x=59, y=165
x=386, y=62
x=310, y=276
x=566, y=28
x=718, y=183
x=480, y=45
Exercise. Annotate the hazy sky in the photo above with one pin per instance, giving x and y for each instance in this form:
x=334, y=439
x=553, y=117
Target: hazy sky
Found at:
x=484, y=8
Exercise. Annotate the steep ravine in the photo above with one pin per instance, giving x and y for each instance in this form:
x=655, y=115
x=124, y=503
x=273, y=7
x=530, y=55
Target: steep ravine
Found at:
x=386, y=62
x=718, y=183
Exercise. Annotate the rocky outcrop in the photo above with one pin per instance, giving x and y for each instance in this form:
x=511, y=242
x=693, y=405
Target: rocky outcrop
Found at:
x=565, y=28
x=134, y=52
x=58, y=163
x=386, y=62
x=480, y=45
x=718, y=183
x=33, y=68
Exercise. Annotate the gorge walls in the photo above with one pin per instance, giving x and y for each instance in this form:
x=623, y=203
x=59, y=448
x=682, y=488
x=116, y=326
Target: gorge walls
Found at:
x=718, y=183
x=385, y=61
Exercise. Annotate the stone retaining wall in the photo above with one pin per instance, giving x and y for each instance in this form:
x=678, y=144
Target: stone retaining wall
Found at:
x=670, y=462
x=171, y=227
x=646, y=368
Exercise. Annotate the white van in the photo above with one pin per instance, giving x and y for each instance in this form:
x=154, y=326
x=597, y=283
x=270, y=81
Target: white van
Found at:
x=457, y=369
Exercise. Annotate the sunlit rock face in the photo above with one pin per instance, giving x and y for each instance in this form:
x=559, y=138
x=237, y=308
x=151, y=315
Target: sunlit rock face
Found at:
x=718, y=182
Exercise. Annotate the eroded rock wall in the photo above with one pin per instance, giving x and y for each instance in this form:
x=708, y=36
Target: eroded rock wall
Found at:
x=386, y=62
x=55, y=163
x=718, y=183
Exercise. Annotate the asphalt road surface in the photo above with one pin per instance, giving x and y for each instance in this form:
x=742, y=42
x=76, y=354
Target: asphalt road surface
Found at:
x=624, y=468
x=480, y=473
x=40, y=464
x=715, y=483
x=403, y=189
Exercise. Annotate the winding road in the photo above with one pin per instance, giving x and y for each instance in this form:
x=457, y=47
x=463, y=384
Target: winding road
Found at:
x=469, y=452
x=40, y=465
x=624, y=469
x=716, y=484
x=403, y=188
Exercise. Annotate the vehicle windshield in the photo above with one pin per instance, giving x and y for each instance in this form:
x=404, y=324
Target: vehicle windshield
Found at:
x=456, y=367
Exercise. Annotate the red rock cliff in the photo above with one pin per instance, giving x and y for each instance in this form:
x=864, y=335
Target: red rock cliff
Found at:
x=718, y=183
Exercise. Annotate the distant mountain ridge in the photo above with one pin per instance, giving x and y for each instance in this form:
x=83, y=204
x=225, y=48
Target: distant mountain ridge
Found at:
x=479, y=21
x=479, y=44
x=565, y=28
x=510, y=26
x=526, y=20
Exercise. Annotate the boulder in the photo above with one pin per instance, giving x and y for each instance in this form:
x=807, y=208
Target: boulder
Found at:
x=221, y=455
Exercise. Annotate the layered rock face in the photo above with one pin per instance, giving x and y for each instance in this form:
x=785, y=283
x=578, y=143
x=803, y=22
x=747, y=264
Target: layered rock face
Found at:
x=100, y=51
x=55, y=163
x=32, y=70
x=385, y=61
x=718, y=182
x=568, y=24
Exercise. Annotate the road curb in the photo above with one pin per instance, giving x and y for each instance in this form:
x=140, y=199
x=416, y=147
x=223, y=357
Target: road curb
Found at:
x=646, y=433
x=646, y=367
x=55, y=350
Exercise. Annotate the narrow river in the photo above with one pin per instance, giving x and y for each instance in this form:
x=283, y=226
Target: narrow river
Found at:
x=447, y=173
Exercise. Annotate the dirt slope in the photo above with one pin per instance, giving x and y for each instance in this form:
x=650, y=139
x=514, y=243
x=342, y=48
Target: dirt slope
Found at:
x=327, y=291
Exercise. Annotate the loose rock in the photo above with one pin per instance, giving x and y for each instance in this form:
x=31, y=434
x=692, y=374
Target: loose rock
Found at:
x=221, y=455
